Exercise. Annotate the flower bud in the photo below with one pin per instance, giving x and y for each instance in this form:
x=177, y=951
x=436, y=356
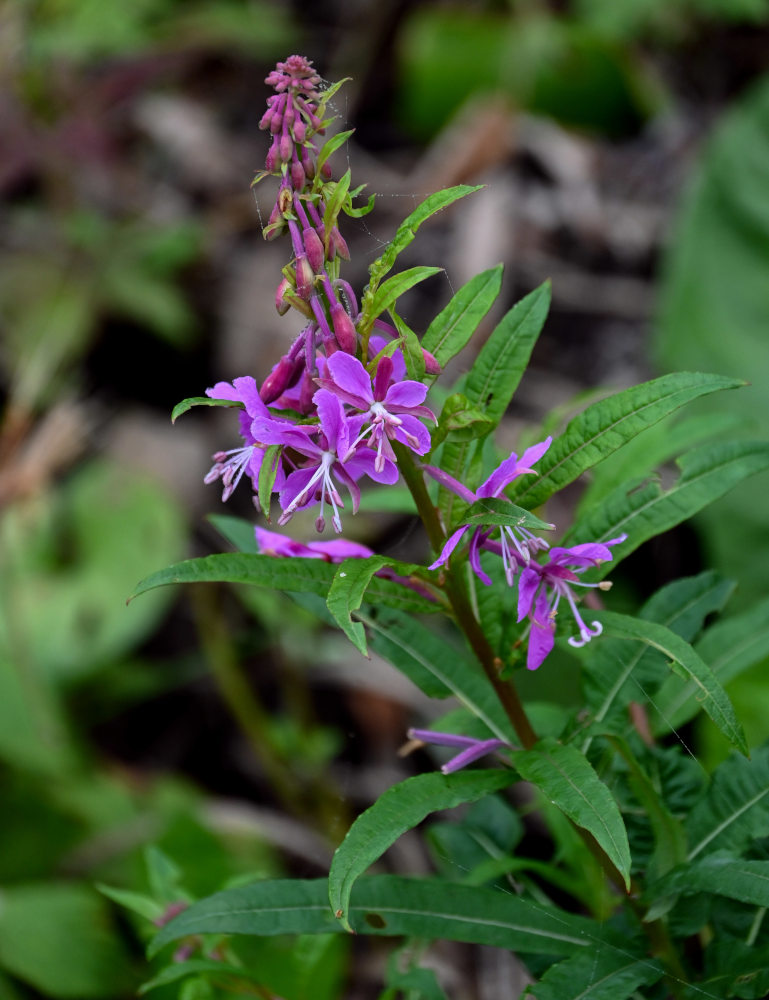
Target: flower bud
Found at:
x=280, y=301
x=337, y=245
x=308, y=163
x=326, y=170
x=314, y=248
x=271, y=160
x=298, y=178
x=305, y=277
x=300, y=130
x=344, y=329
x=285, y=374
x=286, y=147
x=431, y=365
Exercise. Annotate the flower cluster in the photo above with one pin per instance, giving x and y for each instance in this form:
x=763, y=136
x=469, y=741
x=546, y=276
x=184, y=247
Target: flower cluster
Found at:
x=334, y=407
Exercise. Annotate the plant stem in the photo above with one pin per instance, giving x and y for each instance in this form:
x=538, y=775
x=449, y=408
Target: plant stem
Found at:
x=463, y=612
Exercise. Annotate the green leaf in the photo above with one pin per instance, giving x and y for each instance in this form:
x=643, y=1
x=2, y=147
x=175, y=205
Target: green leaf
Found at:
x=330, y=146
x=237, y=531
x=412, y=349
x=454, y=325
x=686, y=663
x=336, y=195
x=195, y=967
x=56, y=938
x=499, y=511
x=498, y=369
x=145, y=906
x=268, y=473
x=734, y=808
x=616, y=674
x=436, y=666
x=399, y=809
x=346, y=594
x=669, y=836
x=567, y=779
x=460, y=419
x=293, y=575
x=729, y=647
x=388, y=294
x=407, y=230
x=643, y=510
x=390, y=906
x=603, y=974
x=714, y=306
x=607, y=425
x=187, y=404
x=747, y=881
x=495, y=376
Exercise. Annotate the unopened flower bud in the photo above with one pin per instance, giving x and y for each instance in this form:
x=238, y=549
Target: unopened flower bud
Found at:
x=280, y=301
x=298, y=178
x=431, y=365
x=305, y=277
x=326, y=170
x=285, y=374
x=268, y=115
x=300, y=130
x=286, y=147
x=271, y=160
x=308, y=163
x=337, y=245
x=314, y=247
x=344, y=329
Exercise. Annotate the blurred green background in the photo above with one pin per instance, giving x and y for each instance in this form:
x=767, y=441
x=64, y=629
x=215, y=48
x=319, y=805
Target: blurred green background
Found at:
x=625, y=149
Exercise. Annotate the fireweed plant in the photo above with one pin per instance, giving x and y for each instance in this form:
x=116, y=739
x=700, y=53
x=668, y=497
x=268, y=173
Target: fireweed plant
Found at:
x=658, y=878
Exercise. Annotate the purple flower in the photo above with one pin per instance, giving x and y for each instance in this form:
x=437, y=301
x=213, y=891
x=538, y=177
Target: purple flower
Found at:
x=472, y=750
x=270, y=543
x=523, y=541
x=229, y=466
x=540, y=589
x=391, y=408
x=312, y=483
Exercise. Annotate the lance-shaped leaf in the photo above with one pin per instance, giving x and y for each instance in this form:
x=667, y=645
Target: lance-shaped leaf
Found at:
x=389, y=905
x=734, y=878
x=495, y=376
x=499, y=511
x=407, y=230
x=399, y=809
x=734, y=808
x=729, y=647
x=686, y=663
x=330, y=146
x=616, y=673
x=453, y=327
x=336, y=194
x=388, y=293
x=436, y=666
x=187, y=404
x=237, y=530
x=605, y=973
x=608, y=424
x=567, y=779
x=268, y=473
x=412, y=349
x=643, y=510
x=199, y=966
x=346, y=595
x=462, y=420
x=293, y=575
